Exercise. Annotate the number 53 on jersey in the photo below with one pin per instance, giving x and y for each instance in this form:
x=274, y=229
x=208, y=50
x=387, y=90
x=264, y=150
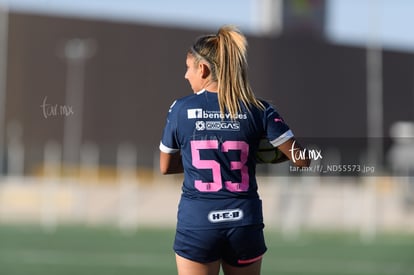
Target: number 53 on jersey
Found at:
x=217, y=184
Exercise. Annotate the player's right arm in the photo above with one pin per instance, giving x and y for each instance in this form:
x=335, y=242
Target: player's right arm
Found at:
x=170, y=154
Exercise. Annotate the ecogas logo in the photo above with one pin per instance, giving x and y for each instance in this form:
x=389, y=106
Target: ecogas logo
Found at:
x=223, y=125
x=298, y=154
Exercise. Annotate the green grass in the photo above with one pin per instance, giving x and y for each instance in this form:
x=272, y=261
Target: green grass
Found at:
x=27, y=250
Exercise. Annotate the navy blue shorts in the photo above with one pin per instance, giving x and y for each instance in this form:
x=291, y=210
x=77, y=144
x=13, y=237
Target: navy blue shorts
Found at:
x=238, y=246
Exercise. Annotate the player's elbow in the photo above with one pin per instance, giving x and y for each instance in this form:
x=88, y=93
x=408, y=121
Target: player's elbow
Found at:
x=165, y=169
x=170, y=163
x=303, y=162
x=171, y=170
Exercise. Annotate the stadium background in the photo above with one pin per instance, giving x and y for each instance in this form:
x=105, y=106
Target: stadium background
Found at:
x=85, y=104
x=138, y=70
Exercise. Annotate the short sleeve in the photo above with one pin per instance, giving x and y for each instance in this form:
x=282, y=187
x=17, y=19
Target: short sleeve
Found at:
x=169, y=142
x=277, y=131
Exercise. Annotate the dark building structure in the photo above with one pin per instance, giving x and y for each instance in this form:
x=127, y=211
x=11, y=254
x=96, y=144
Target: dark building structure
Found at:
x=137, y=71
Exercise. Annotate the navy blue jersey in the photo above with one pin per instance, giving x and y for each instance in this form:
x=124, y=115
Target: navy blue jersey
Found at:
x=218, y=154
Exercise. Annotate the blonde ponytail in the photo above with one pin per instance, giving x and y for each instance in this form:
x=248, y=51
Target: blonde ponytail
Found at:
x=226, y=52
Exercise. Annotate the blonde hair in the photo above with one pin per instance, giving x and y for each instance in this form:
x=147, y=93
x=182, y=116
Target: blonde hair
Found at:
x=226, y=54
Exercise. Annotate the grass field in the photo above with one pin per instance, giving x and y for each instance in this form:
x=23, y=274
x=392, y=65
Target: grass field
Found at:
x=27, y=250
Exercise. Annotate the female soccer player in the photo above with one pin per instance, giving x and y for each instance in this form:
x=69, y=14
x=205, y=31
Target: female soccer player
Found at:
x=212, y=136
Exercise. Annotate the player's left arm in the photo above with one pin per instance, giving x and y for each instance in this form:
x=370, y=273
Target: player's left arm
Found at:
x=292, y=144
x=281, y=159
x=171, y=163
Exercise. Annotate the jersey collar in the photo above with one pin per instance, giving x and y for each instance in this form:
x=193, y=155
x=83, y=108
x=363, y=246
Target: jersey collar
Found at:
x=200, y=92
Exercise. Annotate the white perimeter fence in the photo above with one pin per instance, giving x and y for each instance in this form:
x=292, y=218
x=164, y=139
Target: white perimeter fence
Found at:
x=291, y=204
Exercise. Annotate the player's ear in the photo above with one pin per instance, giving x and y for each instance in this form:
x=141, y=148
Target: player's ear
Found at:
x=205, y=70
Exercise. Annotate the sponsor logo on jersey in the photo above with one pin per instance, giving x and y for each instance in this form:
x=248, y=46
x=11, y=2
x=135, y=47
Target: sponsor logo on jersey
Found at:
x=200, y=125
x=228, y=215
x=223, y=125
x=194, y=113
x=200, y=113
x=217, y=125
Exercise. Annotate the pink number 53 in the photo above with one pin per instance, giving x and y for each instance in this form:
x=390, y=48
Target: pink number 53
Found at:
x=217, y=184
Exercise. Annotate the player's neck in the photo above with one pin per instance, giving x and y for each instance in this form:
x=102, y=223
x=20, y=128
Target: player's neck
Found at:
x=211, y=87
